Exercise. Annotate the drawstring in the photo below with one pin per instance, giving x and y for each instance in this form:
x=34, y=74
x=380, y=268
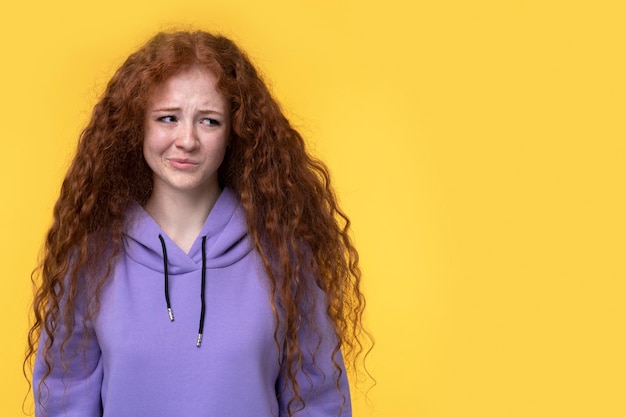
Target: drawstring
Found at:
x=167, y=290
x=201, y=327
x=167, y=284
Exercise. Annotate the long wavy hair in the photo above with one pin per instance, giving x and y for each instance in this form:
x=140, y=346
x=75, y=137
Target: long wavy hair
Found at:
x=293, y=217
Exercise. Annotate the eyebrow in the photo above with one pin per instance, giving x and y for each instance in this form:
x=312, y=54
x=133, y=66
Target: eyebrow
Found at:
x=174, y=108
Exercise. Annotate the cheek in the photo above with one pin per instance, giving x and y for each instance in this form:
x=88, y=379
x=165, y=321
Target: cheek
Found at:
x=147, y=151
x=221, y=148
x=153, y=143
x=152, y=150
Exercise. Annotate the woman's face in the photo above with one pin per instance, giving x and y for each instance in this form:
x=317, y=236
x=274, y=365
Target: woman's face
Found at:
x=186, y=132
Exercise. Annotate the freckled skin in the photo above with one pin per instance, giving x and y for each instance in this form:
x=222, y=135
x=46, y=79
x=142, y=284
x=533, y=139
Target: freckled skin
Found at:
x=186, y=133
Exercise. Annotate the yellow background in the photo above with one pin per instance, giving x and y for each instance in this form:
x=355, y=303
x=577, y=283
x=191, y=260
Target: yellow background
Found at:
x=477, y=145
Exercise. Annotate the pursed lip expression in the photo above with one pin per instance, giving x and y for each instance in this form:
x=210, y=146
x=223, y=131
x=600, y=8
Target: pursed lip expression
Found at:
x=182, y=163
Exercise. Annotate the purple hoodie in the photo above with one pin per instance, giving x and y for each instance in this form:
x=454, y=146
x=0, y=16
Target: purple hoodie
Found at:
x=139, y=363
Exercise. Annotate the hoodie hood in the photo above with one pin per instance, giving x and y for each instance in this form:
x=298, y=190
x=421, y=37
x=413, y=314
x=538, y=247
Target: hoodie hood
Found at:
x=222, y=241
x=225, y=230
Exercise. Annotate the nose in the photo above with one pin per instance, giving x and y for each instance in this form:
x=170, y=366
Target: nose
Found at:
x=187, y=138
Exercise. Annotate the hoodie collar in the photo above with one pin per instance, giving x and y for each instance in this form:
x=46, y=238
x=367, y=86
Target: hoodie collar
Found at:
x=225, y=230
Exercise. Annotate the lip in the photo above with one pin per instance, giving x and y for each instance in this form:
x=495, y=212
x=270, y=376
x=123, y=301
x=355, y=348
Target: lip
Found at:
x=182, y=163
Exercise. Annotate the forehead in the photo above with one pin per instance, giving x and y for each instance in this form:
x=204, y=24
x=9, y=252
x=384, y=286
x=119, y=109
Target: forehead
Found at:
x=187, y=85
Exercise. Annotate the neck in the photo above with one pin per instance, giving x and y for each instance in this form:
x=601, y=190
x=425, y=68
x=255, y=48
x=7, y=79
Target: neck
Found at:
x=181, y=215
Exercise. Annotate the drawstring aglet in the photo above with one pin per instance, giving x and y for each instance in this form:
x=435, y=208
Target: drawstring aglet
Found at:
x=199, y=341
x=169, y=311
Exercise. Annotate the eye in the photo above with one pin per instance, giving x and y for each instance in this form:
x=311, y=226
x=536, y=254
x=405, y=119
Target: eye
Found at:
x=167, y=119
x=210, y=122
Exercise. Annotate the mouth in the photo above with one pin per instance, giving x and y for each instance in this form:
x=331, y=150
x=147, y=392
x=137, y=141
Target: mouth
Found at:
x=182, y=163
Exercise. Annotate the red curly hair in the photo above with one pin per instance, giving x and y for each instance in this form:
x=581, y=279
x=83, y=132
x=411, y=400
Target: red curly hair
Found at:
x=293, y=217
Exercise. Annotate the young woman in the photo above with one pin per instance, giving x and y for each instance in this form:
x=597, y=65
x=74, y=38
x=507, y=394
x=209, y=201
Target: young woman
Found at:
x=198, y=263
